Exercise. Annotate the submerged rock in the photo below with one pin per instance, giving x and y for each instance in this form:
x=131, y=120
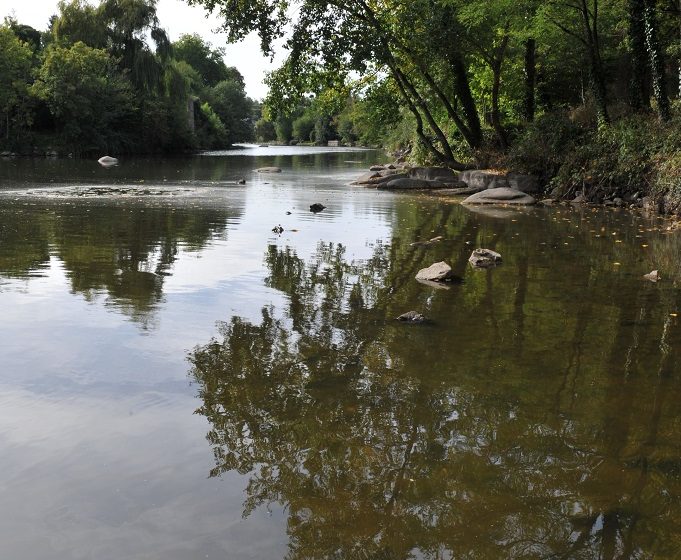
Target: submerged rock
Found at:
x=268, y=170
x=438, y=272
x=484, y=258
x=412, y=317
x=278, y=229
x=501, y=195
x=316, y=207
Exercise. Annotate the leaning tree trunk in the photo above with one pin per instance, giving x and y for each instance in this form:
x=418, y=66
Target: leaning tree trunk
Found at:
x=462, y=89
x=637, y=40
x=530, y=71
x=656, y=56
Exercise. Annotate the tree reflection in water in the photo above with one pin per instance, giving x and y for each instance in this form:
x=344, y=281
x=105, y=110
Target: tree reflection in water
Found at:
x=482, y=438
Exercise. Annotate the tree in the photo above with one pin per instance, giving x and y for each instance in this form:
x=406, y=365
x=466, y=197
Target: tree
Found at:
x=15, y=67
x=228, y=99
x=208, y=62
x=90, y=101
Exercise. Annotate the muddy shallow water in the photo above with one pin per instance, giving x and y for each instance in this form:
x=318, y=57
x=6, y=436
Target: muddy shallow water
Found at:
x=177, y=381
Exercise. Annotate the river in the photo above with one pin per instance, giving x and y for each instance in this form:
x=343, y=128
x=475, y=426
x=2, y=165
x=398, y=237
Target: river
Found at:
x=179, y=382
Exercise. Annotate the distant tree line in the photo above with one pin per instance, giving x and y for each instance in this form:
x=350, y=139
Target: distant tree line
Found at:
x=107, y=78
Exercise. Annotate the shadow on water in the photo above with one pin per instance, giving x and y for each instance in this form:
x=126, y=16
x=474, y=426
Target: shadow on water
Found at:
x=536, y=417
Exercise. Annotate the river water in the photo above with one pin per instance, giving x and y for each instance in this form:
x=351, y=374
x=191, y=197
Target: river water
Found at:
x=179, y=382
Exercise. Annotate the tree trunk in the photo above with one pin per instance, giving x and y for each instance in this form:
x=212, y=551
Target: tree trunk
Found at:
x=439, y=156
x=431, y=120
x=637, y=40
x=496, y=88
x=463, y=93
x=530, y=71
x=590, y=20
x=656, y=56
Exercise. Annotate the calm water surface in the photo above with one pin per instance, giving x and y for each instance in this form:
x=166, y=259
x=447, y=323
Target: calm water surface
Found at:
x=178, y=382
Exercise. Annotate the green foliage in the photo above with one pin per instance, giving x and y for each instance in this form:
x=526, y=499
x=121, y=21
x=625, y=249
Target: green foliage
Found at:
x=234, y=108
x=210, y=130
x=208, y=62
x=541, y=148
x=303, y=127
x=15, y=68
x=635, y=154
x=265, y=131
x=105, y=79
x=88, y=99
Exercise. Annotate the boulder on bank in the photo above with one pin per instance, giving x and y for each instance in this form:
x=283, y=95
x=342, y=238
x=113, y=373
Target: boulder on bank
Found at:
x=501, y=195
x=523, y=182
x=268, y=170
x=406, y=183
x=441, y=174
x=488, y=179
x=484, y=258
x=460, y=191
x=438, y=272
x=377, y=179
x=483, y=179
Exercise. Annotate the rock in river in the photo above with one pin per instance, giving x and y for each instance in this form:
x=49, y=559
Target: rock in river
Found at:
x=316, y=207
x=438, y=272
x=484, y=258
x=412, y=317
x=501, y=195
x=269, y=170
x=653, y=276
x=107, y=161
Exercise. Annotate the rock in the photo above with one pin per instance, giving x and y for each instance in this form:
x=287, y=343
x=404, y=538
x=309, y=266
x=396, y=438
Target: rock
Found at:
x=441, y=174
x=316, y=207
x=460, y=191
x=382, y=180
x=546, y=202
x=618, y=202
x=579, y=199
x=107, y=161
x=438, y=272
x=288, y=213
x=522, y=182
x=484, y=258
x=483, y=179
x=501, y=195
x=426, y=243
x=278, y=229
x=412, y=317
x=405, y=183
x=241, y=181
x=377, y=168
x=268, y=170
x=653, y=276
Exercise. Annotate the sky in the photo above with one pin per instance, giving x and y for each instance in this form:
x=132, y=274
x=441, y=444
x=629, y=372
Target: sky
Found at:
x=176, y=18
